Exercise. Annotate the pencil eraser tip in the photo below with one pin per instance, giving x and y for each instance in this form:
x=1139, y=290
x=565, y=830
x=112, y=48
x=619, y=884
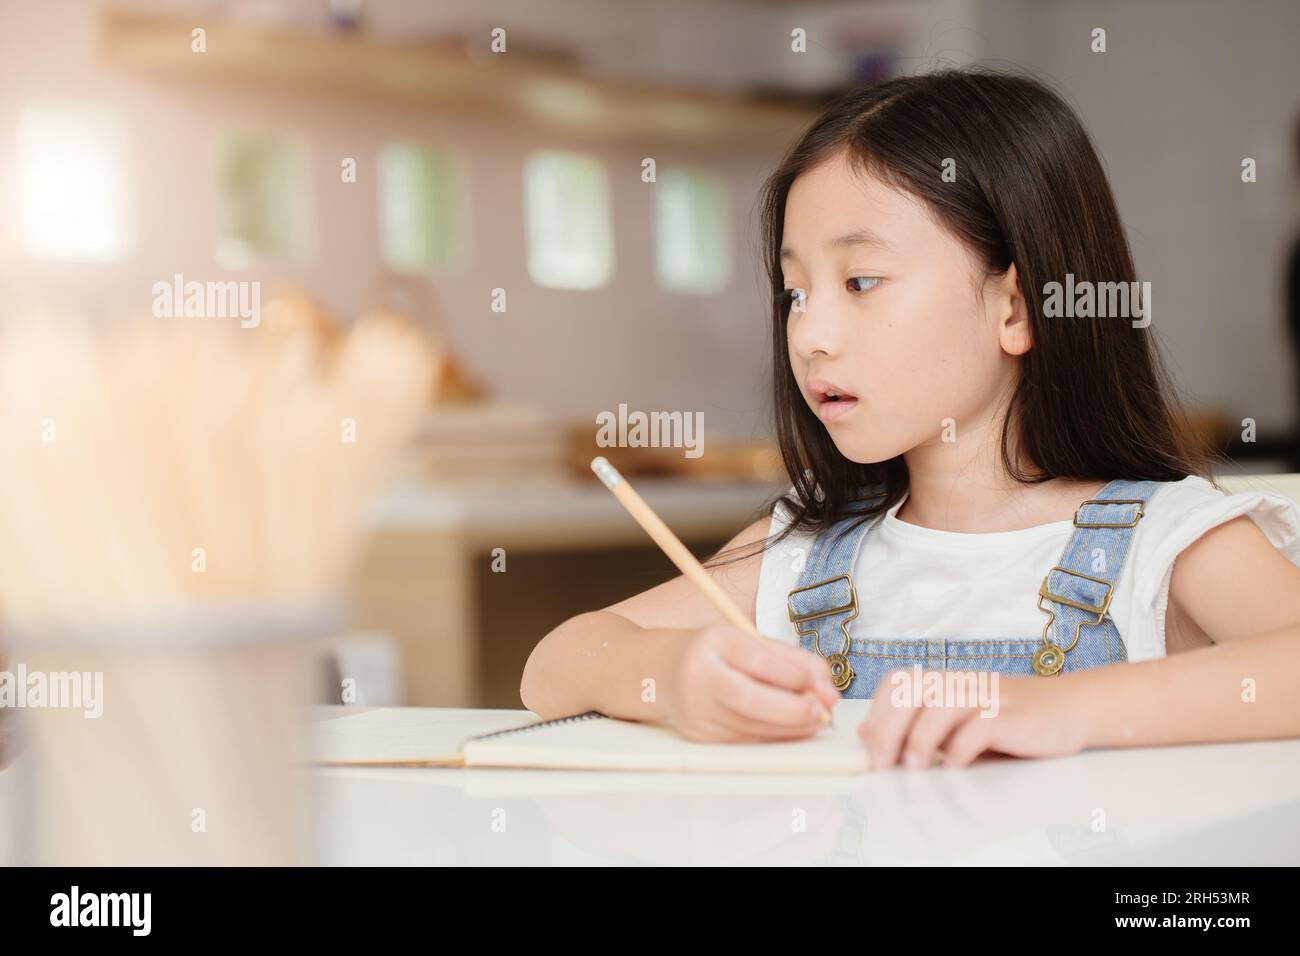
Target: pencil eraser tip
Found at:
x=605, y=472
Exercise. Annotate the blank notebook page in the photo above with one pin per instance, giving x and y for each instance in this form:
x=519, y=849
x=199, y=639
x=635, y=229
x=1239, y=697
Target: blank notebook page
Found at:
x=405, y=736
x=594, y=742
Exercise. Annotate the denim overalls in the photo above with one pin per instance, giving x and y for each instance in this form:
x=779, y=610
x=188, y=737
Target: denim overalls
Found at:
x=1075, y=595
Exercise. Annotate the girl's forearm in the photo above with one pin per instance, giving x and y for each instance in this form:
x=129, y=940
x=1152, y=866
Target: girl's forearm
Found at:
x=1245, y=690
x=599, y=661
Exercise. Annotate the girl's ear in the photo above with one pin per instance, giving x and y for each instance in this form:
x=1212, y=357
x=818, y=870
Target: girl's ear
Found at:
x=1009, y=312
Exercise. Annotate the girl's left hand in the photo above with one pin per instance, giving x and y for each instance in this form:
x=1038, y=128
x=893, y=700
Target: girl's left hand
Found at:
x=1026, y=717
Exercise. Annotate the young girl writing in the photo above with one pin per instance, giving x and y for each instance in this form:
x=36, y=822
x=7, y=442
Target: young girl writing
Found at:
x=981, y=481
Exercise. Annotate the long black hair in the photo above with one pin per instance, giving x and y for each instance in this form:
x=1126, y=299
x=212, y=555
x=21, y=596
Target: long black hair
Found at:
x=1092, y=400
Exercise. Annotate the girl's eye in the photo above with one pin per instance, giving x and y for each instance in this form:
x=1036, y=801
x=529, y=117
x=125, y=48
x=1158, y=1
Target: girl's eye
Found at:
x=873, y=280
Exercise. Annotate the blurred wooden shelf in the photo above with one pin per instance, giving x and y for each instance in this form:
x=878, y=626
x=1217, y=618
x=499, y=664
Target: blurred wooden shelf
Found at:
x=560, y=514
x=508, y=88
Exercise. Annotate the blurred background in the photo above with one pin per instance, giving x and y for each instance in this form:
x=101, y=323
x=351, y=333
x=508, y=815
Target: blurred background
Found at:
x=481, y=170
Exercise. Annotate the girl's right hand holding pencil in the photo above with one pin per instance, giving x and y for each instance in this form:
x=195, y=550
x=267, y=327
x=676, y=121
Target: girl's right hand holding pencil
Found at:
x=724, y=680
x=710, y=680
x=723, y=685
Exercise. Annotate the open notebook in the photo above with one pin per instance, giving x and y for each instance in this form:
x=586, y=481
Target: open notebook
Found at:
x=431, y=738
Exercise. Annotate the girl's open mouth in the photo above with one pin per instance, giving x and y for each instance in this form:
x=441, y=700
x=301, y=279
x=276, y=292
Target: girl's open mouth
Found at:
x=832, y=406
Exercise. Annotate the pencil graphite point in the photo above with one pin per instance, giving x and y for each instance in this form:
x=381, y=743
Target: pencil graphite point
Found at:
x=606, y=472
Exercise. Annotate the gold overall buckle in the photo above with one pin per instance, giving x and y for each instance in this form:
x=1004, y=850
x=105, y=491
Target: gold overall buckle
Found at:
x=1098, y=609
x=841, y=670
x=1109, y=524
x=1049, y=659
x=813, y=615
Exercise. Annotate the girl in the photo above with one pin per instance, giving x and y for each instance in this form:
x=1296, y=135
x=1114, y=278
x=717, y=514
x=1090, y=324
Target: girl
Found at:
x=979, y=482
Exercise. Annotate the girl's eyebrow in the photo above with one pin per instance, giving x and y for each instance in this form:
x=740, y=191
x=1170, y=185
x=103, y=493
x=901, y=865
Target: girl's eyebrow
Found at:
x=862, y=237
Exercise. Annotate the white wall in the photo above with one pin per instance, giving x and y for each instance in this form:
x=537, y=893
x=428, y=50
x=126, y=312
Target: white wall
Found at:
x=1184, y=92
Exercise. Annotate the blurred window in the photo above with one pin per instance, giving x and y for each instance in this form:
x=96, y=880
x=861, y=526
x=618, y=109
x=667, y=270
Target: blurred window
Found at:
x=421, y=208
x=692, y=232
x=71, y=181
x=569, y=235
x=263, y=181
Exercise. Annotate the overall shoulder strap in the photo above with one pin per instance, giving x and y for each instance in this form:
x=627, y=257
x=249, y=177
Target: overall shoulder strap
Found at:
x=825, y=600
x=1079, y=588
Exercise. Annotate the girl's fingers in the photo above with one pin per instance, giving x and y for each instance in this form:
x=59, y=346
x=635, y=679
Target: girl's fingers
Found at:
x=755, y=700
x=967, y=742
x=780, y=665
x=928, y=732
x=751, y=730
x=884, y=731
x=760, y=727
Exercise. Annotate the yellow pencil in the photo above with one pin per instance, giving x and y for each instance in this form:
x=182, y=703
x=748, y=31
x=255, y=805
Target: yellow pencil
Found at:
x=676, y=551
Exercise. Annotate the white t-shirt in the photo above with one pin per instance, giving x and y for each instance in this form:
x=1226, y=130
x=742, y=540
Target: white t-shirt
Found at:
x=919, y=583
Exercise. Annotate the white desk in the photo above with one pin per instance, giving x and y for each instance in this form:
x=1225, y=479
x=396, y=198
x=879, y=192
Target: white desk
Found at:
x=1220, y=804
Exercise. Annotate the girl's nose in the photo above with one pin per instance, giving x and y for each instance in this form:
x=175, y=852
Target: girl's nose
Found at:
x=814, y=328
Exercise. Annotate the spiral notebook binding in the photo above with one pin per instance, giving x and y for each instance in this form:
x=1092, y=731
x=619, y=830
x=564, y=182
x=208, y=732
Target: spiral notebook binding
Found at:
x=571, y=719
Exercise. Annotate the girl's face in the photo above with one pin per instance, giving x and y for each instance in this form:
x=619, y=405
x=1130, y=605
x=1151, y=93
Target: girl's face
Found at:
x=896, y=318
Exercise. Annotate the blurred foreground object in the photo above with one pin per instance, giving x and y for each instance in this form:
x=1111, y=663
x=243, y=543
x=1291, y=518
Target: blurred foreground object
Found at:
x=412, y=299
x=180, y=509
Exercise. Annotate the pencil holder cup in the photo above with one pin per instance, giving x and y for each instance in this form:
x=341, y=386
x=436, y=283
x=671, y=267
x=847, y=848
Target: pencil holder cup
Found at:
x=184, y=746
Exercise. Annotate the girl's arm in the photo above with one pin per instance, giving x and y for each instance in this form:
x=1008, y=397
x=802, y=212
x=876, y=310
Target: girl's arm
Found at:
x=1244, y=690
x=667, y=654
x=1233, y=587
